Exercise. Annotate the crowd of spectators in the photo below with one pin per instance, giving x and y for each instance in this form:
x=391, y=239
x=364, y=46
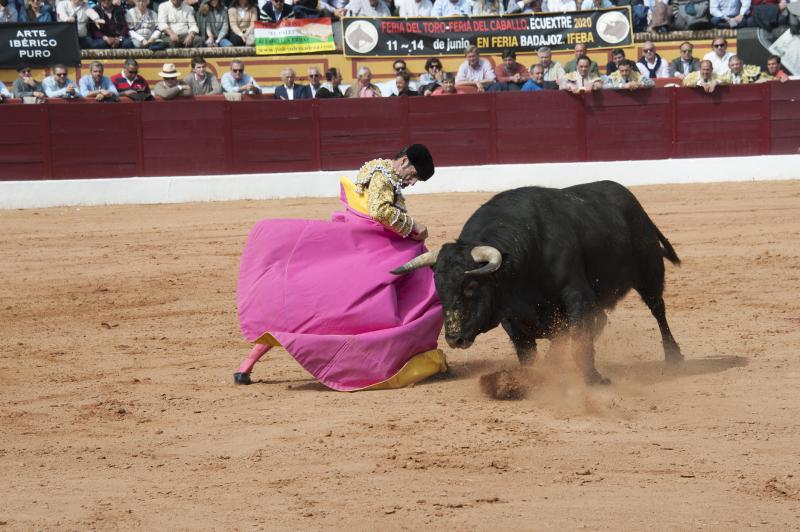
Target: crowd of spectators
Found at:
x=475, y=74
x=212, y=23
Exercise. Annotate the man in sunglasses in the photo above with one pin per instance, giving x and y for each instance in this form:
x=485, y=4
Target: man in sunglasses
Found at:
x=275, y=11
x=390, y=87
x=651, y=65
x=719, y=56
x=682, y=66
x=314, y=81
x=59, y=85
x=26, y=86
x=130, y=84
x=236, y=81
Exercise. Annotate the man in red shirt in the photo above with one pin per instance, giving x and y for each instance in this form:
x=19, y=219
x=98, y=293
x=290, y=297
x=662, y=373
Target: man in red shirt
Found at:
x=510, y=74
x=130, y=84
x=775, y=69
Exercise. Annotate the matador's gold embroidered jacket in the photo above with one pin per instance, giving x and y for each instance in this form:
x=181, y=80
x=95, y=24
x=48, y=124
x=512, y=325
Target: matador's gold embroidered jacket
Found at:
x=384, y=195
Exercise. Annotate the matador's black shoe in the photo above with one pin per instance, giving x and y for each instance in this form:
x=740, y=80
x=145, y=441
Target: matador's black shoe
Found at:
x=242, y=378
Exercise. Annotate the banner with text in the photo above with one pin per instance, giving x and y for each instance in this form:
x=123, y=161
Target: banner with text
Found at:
x=605, y=28
x=294, y=36
x=39, y=44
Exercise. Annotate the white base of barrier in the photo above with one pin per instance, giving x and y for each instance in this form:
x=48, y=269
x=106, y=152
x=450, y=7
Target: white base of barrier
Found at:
x=144, y=190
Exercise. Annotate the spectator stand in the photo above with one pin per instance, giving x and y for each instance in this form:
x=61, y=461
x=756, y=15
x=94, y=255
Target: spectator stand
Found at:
x=266, y=69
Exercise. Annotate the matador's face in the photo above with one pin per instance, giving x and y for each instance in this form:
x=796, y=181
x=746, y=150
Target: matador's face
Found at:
x=406, y=171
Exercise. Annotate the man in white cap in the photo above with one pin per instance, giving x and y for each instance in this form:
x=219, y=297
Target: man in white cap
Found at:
x=170, y=86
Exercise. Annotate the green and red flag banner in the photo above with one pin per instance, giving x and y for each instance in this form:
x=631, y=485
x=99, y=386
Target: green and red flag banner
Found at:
x=294, y=36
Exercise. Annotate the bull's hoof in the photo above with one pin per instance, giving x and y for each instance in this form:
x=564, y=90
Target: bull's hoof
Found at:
x=673, y=355
x=242, y=378
x=594, y=378
x=526, y=361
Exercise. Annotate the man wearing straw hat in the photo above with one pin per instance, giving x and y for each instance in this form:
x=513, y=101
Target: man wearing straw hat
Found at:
x=170, y=87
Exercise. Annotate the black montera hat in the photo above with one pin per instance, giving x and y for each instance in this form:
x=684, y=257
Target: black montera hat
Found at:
x=420, y=157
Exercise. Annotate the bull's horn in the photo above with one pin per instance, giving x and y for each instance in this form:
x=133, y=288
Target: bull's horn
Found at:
x=491, y=256
x=426, y=259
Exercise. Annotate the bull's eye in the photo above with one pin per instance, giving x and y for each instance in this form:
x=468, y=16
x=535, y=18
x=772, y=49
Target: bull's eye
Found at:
x=470, y=288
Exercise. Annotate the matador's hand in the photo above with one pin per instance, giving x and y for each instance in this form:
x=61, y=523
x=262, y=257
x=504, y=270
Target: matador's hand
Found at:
x=419, y=231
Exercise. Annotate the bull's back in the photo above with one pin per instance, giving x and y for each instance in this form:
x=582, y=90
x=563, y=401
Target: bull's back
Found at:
x=618, y=239
x=602, y=223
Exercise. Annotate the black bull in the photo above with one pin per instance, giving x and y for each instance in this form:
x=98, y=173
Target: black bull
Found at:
x=544, y=261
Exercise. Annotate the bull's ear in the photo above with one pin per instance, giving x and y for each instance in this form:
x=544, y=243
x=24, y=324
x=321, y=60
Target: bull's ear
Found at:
x=426, y=259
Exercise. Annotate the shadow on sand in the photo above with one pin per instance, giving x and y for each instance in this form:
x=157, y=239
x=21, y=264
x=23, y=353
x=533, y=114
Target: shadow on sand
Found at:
x=293, y=384
x=652, y=371
x=645, y=372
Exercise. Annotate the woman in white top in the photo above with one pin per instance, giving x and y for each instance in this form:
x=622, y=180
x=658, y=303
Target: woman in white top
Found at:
x=143, y=26
x=242, y=17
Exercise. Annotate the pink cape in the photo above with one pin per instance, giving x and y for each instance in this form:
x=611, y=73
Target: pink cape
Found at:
x=324, y=291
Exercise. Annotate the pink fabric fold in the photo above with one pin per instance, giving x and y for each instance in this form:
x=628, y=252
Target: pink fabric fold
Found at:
x=324, y=291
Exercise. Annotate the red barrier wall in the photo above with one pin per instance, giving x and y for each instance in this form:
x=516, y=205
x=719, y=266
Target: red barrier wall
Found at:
x=63, y=140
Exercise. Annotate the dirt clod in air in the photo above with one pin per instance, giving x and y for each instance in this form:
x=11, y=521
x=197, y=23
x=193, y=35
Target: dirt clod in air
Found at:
x=505, y=385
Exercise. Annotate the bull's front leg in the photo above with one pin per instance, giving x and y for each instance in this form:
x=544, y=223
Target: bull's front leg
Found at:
x=582, y=315
x=523, y=339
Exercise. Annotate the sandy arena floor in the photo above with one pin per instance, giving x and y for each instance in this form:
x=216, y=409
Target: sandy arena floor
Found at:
x=119, y=337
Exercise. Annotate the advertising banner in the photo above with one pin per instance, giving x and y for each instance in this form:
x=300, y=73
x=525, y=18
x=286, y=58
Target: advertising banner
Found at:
x=393, y=36
x=39, y=44
x=294, y=36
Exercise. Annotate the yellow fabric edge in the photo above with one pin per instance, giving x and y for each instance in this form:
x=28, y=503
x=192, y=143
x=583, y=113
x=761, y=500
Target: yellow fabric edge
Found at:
x=419, y=367
x=356, y=201
x=268, y=339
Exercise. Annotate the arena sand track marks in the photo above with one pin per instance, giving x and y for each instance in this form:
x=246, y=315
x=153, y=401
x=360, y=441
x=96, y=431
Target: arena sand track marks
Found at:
x=119, y=338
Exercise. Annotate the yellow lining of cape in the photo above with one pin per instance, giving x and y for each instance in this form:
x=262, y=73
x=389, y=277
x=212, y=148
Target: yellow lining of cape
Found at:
x=419, y=367
x=356, y=201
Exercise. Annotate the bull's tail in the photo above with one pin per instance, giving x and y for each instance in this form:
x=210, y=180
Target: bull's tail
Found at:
x=667, y=249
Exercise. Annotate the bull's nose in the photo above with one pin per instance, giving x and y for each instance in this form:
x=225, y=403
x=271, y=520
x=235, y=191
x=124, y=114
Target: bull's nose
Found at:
x=457, y=342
